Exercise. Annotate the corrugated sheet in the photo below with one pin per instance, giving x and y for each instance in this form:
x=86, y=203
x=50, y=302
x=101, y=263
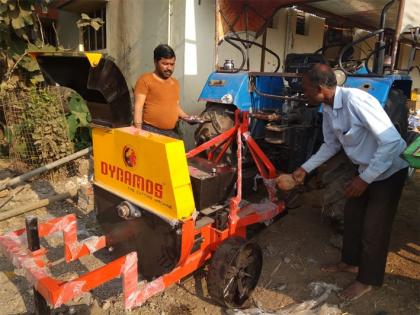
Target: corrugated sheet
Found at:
x=253, y=14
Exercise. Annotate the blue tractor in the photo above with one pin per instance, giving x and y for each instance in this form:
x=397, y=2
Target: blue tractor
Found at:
x=287, y=130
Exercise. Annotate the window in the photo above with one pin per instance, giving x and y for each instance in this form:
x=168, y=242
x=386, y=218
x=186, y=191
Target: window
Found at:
x=301, y=28
x=48, y=31
x=95, y=40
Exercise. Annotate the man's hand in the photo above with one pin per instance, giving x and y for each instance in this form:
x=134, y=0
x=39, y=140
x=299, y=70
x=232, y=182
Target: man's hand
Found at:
x=137, y=125
x=355, y=187
x=193, y=120
x=299, y=175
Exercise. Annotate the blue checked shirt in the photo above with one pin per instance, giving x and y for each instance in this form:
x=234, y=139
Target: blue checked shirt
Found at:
x=359, y=124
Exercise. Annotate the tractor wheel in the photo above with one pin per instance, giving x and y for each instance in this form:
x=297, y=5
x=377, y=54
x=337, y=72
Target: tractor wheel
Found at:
x=337, y=173
x=397, y=110
x=220, y=118
x=234, y=272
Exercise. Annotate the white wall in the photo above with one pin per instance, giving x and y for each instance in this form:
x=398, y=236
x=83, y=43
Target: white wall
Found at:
x=313, y=40
x=134, y=29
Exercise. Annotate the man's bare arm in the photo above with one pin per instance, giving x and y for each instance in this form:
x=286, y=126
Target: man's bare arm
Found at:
x=181, y=113
x=138, y=110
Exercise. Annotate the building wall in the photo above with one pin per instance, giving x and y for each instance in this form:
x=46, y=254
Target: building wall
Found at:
x=67, y=31
x=403, y=64
x=135, y=28
x=192, y=37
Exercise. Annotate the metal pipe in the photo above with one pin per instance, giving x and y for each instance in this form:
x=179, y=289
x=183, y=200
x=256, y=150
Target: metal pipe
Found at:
x=264, y=44
x=276, y=74
x=36, y=205
x=247, y=37
x=44, y=168
x=383, y=17
x=276, y=97
x=397, y=35
x=378, y=61
x=216, y=36
x=286, y=37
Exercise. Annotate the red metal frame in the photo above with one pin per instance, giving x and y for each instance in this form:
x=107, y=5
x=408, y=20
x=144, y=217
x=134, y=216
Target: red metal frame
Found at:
x=57, y=292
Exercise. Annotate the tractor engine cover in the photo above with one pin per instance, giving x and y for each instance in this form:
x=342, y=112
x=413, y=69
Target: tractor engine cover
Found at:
x=211, y=182
x=157, y=243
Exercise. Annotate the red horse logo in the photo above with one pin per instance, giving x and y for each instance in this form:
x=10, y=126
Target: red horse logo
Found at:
x=129, y=156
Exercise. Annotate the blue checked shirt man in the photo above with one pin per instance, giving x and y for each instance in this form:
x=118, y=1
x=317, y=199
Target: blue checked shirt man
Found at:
x=355, y=121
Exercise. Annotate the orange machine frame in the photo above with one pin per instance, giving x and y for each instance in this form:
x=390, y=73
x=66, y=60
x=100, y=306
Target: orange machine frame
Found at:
x=56, y=293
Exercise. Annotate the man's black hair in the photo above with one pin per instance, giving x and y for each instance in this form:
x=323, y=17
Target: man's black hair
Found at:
x=321, y=75
x=163, y=51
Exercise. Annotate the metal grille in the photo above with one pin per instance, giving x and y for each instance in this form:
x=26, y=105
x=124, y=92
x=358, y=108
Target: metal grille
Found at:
x=37, y=130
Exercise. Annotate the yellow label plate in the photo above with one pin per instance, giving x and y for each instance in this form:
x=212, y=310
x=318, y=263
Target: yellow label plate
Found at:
x=148, y=169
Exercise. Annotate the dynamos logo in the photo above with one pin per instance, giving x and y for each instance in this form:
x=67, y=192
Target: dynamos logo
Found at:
x=129, y=156
x=133, y=180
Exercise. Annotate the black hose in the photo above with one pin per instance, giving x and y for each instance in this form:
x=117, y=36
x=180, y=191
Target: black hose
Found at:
x=370, y=56
x=276, y=97
x=229, y=40
x=259, y=45
x=347, y=46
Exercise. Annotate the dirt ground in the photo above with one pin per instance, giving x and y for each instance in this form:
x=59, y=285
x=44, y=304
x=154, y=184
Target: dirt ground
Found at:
x=294, y=248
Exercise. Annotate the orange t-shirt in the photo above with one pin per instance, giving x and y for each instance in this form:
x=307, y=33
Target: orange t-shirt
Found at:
x=162, y=100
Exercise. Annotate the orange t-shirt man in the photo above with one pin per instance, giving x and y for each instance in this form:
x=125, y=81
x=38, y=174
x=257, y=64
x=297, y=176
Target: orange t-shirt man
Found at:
x=156, y=106
x=161, y=106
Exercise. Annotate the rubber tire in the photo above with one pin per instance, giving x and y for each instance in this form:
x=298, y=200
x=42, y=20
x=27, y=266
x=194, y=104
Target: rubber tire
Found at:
x=221, y=121
x=397, y=110
x=222, y=266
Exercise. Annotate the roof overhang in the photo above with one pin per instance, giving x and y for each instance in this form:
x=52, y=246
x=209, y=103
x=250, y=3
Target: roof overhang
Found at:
x=254, y=15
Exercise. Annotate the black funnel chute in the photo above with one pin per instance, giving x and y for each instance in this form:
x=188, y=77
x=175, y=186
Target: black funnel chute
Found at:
x=103, y=86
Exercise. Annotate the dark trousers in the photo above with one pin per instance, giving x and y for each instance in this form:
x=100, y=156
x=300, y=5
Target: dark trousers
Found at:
x=166, y=132
x=367, y=227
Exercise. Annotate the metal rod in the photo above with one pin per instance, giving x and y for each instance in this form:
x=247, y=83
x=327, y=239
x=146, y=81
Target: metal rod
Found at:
x=415, y=35
x=32, y=235
x=276, y=74
x=216, y=37
x=264, y=44
x=395, y=43
x=247, y=37
x=40, y=304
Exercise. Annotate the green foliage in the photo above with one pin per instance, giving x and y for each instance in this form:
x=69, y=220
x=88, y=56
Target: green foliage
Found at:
x=78, y=119
x=47, y=125
x=18, y=28
x=40, y=132
x=40, y=127
x=86, y=20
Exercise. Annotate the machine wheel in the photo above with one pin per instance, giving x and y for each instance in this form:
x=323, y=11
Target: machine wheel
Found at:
x=234, y=272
